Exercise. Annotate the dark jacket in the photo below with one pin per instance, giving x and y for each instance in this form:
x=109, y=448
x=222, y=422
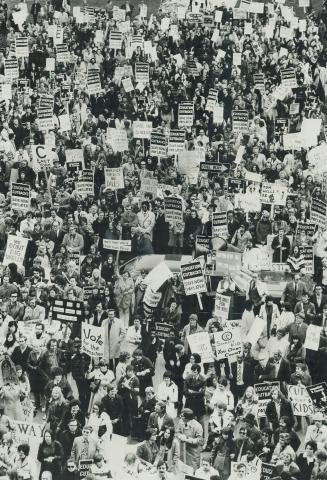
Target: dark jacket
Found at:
x=285, y=410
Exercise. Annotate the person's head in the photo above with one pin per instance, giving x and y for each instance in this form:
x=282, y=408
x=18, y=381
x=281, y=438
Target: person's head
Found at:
x=47, y=437
x=71, y=465
x=138, y=354
x=317, y=419
x=46, y=475
x=149, y=393
x=284, y=438
x=75, y=407
x=86, y=431
x=187, y=415
x=299, y=318
x=56, y=393
x=22, y=341
x=73, y=425
x=321, y=457
x=193, y=319
x=162, y=469
x=98, y=460
x=23, y=450
x=195, y=370
x=195, y=358
x=311, y=448
x=275, y=394
x=250, y=453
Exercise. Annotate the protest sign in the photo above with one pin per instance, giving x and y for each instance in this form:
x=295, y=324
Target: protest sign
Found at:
x=158, y=144
x=114, y=178
x=300, y=399
x=158, y=276
x=15, y=250
x=263, y=391
x=142, y=72
x=318, y=395
x=84, y=467
x=62, y=53
x=21, y=47
x=193, y=278
x=240, y=119
x=252, y=471
x=20, y=197
x=93, y=339
x=42, y=157
x=151, y=299
x=212, y=167
x=267, y=471
x=93, y=83
x=67, y=310
x=88, y=292
x=236, y=185
x=45, y=119
x=85, y=184
x=200, y=343
x=176, y=141
x=117, y=138
x=222, y=303
x=11, y=70
x=228, y=262
x=202, y=245
x=127, y=84
x=273, y=194
x=163, y=330
x=307, y=253
x=211, y=99
x=318, y=212
x=219, y=224
x=173, y=209
x=26, y=432
x=149, y=186
x=74, y=160
x=312, y=337
x=115, y=39
x=185, y=114
x=308, y=228
x=228, y=343
x=288, y=77
x=259, y=82
x=142, y=129
x=119, y=245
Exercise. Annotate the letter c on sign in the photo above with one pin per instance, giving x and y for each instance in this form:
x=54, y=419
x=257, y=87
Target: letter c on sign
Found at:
x=40, y=147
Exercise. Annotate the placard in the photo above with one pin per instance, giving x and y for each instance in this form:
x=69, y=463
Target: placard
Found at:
x=185, y=114
x=173, y=209
x=228, y=343
x=163, y=330
x=85, y=184
x=240, y=119
x=142, y=72
x=119, y=245
x=263, y=392
x=219, y=224
x=11, y=69
x=45, y=119
x=318, y=395
x=200, y=343
x=312, y=337
x=115, y=39
x=62, y=53
x=93, y=340
x=21, y=47
x=15, y=250
x=117, y=138
x=20, y=197
x=193, y=278
x=211, y=99
x=114, y=178
x=142, y=129
x=158, y=144
x=222, y=303
x=74, y=159
x=228, y=262
x=67, y=310
x=301, y=401
x=288, y=77
x=318, y=212
x=273, y=194
x=84, y=467
x=176, y=141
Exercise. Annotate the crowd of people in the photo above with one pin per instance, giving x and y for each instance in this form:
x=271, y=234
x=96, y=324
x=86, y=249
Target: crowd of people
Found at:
x=91, y=104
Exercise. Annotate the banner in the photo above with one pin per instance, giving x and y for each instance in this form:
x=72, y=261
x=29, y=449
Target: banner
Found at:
x=114, y=178
x=222, y=303
x=193, y=278
x=67, y=310
x=300, y=399
x=93, y=339
x=263, y=391
x=240, y=119
x=228, y=343
x=200, y=343
x=185, y=114
x=119, y=245
x=15, y=250
x=312, y=337
x=20, y=197
x=219, y=224
x=173, y=209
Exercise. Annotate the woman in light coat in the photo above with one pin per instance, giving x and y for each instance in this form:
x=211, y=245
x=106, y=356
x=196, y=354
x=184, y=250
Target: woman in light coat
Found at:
x=168, y=392
x=169, y=451
x=124, y=296
x=114, y=334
